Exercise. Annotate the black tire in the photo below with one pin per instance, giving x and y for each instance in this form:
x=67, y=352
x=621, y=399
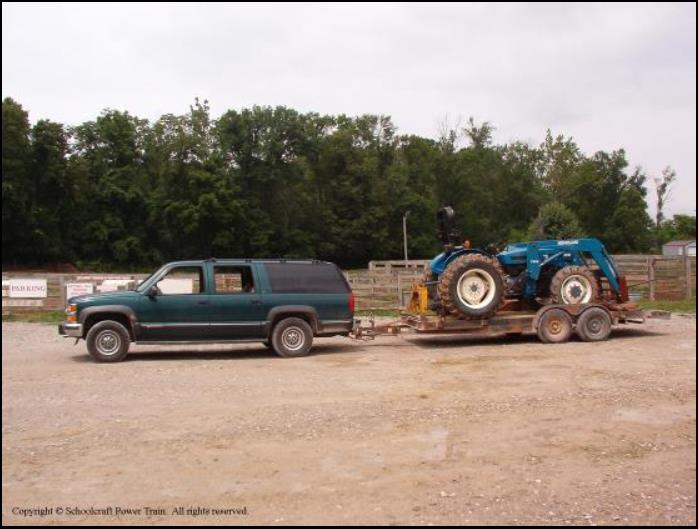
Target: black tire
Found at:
x=554, y=326
x=108, y=341
x=574, y=285
x=594, y=325
x=486, y=278
x=291, y=338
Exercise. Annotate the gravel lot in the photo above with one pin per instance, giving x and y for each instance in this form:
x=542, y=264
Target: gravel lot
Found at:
x=399, y=430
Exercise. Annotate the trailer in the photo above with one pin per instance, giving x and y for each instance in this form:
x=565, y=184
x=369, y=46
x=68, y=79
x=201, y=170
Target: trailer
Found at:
x=592, y=322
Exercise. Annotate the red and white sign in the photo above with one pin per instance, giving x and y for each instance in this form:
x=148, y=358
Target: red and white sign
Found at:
x=78, y=289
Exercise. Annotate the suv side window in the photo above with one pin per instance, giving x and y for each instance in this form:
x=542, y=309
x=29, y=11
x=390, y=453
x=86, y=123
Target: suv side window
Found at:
x=182, y=280
x=233, y=280
x=318, y=278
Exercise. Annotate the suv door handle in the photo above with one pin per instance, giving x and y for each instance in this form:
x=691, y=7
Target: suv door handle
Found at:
x=202, y=302
x=255, y=302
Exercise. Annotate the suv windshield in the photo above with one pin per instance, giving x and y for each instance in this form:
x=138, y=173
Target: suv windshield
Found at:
x=141, y=285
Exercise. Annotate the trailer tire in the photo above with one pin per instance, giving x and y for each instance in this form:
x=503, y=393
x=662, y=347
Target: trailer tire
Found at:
x=594, y=325
x=472, y=286
x=574, y=285
x=554, y=326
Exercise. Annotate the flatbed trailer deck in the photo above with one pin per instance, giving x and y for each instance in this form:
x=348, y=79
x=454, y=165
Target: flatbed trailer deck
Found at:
x=552, y=323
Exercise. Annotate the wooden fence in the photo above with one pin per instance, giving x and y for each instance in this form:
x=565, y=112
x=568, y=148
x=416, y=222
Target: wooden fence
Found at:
x=386, y=284
x=56, y=284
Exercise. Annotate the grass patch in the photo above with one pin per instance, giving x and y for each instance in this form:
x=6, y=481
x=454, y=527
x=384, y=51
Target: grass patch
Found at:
x=685, y=306
x=52, y=316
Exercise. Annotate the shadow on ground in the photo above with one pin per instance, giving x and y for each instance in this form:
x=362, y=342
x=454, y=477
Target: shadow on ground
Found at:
x=219, y=353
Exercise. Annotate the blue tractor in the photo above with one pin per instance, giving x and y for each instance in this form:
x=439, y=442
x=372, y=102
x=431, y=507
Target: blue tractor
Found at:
x=474, y=283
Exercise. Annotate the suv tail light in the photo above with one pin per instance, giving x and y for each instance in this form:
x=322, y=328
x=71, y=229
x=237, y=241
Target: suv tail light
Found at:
x=352, y=302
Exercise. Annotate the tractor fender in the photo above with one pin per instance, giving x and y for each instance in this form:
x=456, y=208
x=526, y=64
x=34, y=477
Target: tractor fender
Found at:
x=439, y=263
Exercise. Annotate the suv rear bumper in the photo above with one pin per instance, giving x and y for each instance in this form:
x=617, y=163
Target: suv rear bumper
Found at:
x=70, y=330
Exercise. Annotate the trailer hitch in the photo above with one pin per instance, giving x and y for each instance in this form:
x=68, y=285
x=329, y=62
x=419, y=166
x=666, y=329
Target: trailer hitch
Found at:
x=370, y=331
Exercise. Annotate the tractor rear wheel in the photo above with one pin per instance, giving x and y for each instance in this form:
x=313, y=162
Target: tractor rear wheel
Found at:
x=574, y=285
x=472, y=286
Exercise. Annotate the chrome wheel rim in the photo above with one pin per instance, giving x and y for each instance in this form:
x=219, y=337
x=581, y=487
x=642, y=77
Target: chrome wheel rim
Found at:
x=293, y=338
x=476, y=288
x=108, y=342
x=576, y=289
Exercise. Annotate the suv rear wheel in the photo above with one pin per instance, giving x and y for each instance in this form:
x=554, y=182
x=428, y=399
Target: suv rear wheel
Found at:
x=292, y=337
x=108, y=341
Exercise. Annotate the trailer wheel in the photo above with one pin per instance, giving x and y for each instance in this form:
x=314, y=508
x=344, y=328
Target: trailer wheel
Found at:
x=594, y=325
x=554, y=326
x=574, y=285
x=472, y=286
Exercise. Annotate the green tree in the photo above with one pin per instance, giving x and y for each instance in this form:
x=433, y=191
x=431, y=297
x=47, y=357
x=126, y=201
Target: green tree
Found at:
x=555, y=221
x=629, y=228
x=679, y=227
x=53, y=202
x=17, y=185
x=121, y=192
x=112, y=210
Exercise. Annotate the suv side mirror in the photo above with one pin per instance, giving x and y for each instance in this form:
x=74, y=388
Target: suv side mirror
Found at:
x=153, y=291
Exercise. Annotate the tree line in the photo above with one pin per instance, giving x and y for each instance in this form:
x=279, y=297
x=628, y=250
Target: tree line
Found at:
x=120, y=192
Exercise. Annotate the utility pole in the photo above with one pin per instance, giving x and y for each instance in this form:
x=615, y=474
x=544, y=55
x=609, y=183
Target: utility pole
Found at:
x=404, y=233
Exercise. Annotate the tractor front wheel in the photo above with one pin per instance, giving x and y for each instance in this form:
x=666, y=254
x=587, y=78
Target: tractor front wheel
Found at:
x=574, y=285
x=472, y=286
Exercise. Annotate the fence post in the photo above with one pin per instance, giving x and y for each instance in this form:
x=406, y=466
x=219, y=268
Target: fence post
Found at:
x=650, y=276
x=399, y=289
x=61, y=287
x=687, y=269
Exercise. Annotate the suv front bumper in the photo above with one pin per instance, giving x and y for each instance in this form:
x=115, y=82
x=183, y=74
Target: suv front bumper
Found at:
x=70, y=330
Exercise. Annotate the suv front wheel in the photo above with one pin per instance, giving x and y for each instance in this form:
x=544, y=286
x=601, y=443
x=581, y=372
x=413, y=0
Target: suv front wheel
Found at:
x=292, y=337
x=108, y=341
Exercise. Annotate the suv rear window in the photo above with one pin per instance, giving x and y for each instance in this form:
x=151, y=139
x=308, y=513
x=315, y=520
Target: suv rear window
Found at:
x=297, y=277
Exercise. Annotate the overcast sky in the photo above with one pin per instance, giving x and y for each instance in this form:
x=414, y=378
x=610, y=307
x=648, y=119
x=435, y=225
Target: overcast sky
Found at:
x=611, y=76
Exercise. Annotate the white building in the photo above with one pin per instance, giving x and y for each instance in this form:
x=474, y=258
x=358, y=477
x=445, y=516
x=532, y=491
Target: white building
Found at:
x=680, y=248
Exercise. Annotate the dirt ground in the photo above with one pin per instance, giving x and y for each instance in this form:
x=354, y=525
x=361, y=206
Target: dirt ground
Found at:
x=402, y=430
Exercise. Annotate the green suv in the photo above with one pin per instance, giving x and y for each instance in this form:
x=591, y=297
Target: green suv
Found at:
x=282, y=303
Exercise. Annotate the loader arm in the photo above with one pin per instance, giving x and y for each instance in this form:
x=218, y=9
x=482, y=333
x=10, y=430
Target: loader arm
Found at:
x=608, y=268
